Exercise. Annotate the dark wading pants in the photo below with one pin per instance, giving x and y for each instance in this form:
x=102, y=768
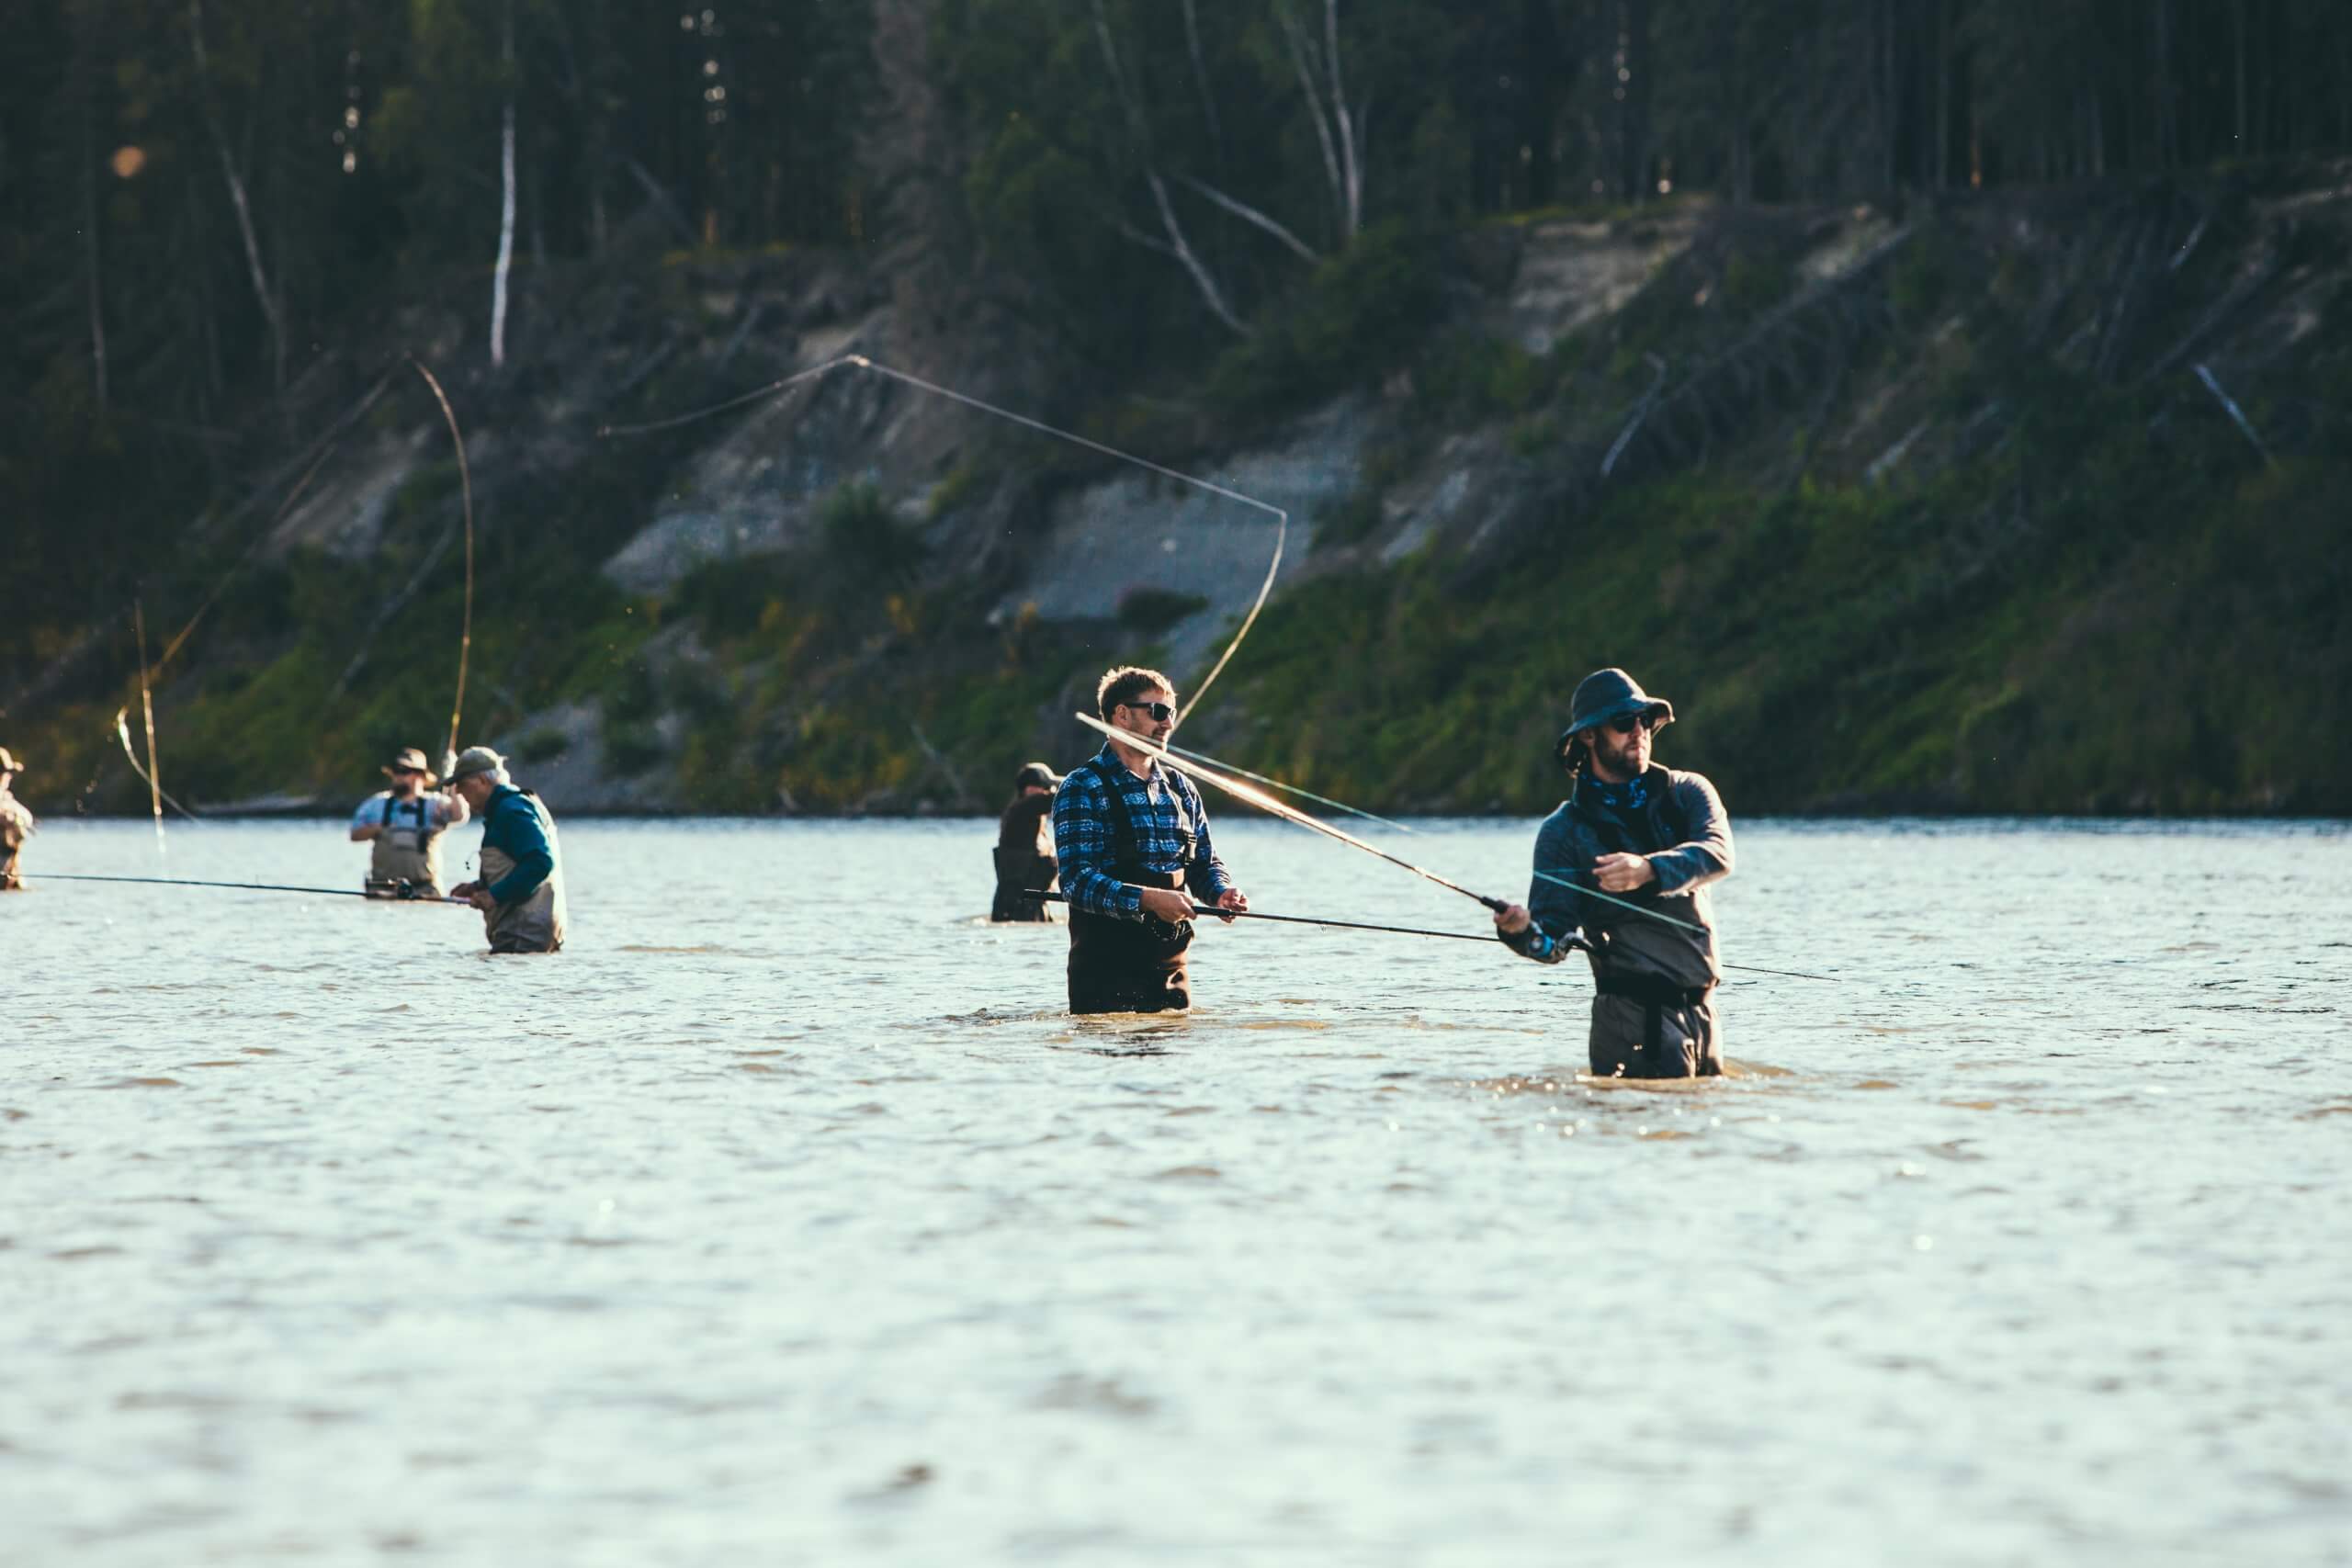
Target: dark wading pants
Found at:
x=1129, y=966
x=1650, y=1028
x=1017, y=871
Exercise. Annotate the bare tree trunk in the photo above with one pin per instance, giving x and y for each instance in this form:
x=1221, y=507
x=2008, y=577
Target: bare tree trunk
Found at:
x=505, y=202
x=1178, y=247
x=1633, y=98
x=90, y=257
x=1352, y=165
x=2168, y=122
x=1943, y=95
x=1889, y=95
x=1201, y=81
x=2237, y=14
x=1175, y=245
x=260, y=276
x=1252, y=216
x=1295, y=37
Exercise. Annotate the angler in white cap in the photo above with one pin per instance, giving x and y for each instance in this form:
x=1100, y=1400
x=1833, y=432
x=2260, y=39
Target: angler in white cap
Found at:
x=521, y=891
x=16, y=823
x=403, y=826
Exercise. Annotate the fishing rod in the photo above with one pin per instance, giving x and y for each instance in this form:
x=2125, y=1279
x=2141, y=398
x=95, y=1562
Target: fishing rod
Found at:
x=1274, y=808
x=1292, y=789
x=1305, y=920
x=466, y=496
x=154, y=769
x=404, y=893
x=860, y=362
x=1266, y=803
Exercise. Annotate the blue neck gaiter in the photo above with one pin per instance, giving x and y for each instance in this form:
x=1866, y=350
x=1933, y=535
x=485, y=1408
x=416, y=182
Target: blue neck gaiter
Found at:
x=1631, y=796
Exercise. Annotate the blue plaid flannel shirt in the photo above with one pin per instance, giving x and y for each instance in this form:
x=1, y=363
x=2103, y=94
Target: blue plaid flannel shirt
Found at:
x=1086, y=837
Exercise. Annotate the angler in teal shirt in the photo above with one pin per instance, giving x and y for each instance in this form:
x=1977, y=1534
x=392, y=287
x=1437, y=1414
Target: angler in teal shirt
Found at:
x=520, y=893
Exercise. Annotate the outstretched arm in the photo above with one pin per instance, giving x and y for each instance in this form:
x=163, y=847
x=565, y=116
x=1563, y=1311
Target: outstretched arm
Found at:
x=1550, y=925
x=1705, y=855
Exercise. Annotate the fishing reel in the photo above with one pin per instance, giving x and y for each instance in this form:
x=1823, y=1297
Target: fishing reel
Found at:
x=398, y=888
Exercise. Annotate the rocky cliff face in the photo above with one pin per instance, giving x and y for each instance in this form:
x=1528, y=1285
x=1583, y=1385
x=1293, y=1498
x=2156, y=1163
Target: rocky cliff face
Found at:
x=1945, y=425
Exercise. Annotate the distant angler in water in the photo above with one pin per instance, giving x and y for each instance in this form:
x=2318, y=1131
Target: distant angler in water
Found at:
x=403, y=825
x=521, y=891
x=1024, y=847
x=1133, y=840
x=16, y=823
x=1654, y=839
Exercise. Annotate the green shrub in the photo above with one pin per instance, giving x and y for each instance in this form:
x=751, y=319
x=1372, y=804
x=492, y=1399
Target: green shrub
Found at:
x=858, y=533
x=632, y=747
x=1352, y=517
x=1358, y=312
x=1754, y=283
x=1156, y=609
x=1921, y=277
x=544, y=744
x=1475, y=378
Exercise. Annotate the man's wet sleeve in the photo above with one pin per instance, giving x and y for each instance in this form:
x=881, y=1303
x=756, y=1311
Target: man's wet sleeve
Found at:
x=1705, y=855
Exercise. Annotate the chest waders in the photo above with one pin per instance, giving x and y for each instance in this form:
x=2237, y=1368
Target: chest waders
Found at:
x=1653, y=1005
x=1131, y=965
x=534, y=922
x=1023, y=861
x=16, y=823
x=405, y=852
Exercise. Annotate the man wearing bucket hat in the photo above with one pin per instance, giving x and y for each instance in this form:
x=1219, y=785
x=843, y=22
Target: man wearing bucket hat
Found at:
x=1024, y=846
x=16, y=823
x=521, y=891
x=1650, y=838
x=403, y=826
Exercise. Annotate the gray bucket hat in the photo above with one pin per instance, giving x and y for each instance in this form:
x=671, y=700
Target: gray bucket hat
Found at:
x=1605, y=694
x=475, y=760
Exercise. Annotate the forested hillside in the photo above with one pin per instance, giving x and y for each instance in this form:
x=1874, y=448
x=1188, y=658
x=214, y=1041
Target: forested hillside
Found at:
x=1947, y=402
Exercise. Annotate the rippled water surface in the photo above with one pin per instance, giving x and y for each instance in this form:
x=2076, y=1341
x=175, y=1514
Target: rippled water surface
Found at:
x=785, y=1218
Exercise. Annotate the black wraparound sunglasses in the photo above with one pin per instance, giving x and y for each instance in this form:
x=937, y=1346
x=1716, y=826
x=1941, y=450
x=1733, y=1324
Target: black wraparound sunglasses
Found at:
x=1160, y=712
x=1631, y=722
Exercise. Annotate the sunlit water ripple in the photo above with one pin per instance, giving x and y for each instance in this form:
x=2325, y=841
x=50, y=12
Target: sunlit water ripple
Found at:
x=786, y=1218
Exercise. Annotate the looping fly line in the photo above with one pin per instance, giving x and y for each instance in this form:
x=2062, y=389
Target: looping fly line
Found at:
x=860, y=362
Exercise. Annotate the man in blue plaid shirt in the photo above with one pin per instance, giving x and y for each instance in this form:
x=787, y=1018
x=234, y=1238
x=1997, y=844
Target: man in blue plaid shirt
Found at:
x=1133, y=840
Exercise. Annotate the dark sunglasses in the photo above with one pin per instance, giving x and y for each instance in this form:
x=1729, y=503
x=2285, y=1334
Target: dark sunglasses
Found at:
x=407, y=773
x=1630, y=723
x=1160, y=712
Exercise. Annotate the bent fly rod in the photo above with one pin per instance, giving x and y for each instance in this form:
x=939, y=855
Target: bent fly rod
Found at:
x=1306, y=920
x=860, y=362
x=407, y=892
x=1274, y=808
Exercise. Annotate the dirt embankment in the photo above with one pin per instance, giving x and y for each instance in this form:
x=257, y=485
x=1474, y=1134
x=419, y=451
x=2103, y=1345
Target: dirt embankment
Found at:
x=858, y=596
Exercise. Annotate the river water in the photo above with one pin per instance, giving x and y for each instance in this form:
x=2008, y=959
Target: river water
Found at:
x=785, y=1218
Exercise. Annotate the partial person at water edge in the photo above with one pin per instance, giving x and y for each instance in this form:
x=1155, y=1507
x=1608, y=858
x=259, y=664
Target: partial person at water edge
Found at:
x=1024, y=847
x=1132, y=838
x=403, y=825
x=1653, y=837
x=16, y=823
x=521, y=891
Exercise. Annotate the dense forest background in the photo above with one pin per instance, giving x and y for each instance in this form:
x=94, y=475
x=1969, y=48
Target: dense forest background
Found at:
x=221, y=224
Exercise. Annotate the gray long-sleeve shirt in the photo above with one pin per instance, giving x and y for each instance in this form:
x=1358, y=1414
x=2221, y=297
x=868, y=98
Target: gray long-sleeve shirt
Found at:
x=1684, y=834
